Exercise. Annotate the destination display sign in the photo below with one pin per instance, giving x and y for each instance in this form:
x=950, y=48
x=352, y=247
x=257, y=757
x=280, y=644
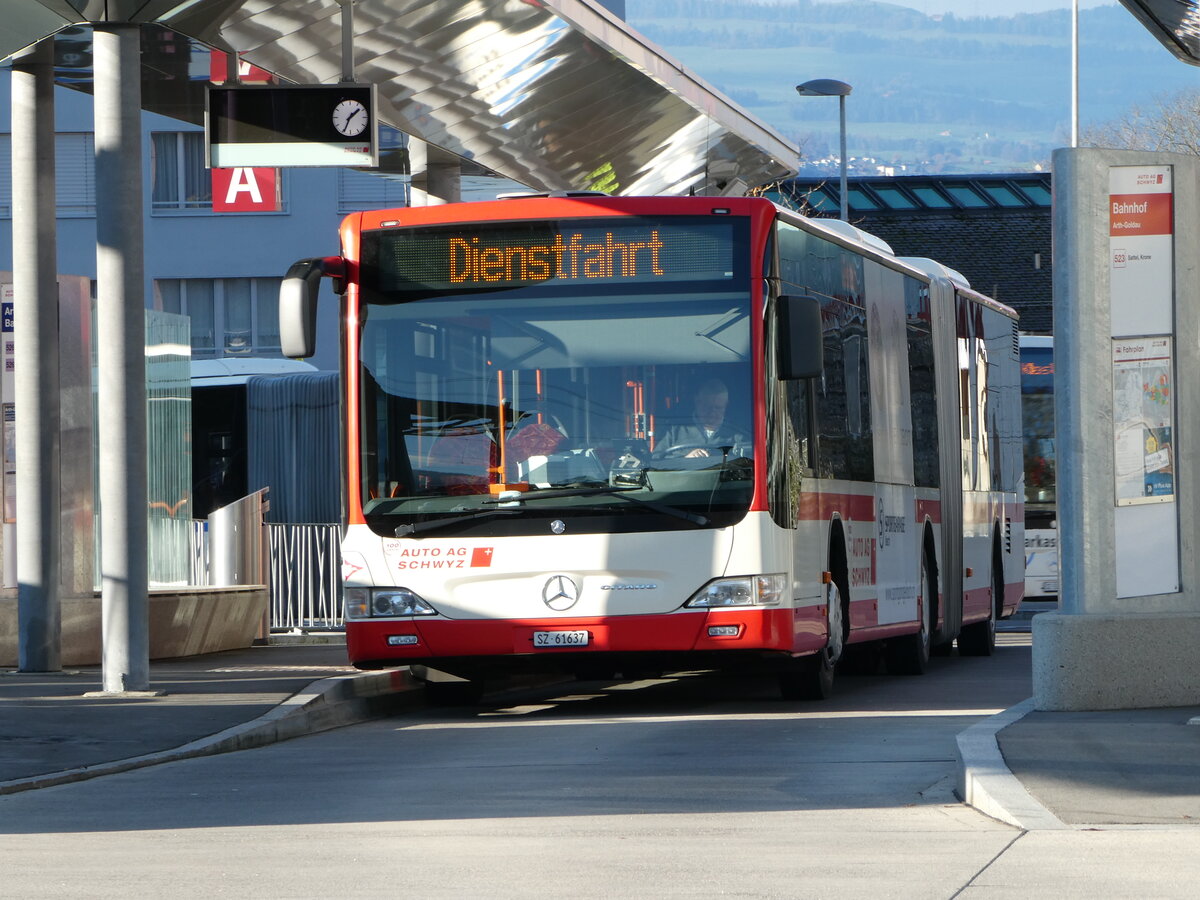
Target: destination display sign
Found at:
x=610, y=251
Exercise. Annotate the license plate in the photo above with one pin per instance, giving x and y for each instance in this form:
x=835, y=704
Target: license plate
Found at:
x=560, y=638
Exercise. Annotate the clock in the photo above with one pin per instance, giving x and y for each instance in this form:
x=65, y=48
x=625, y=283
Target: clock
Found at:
x=350, y=118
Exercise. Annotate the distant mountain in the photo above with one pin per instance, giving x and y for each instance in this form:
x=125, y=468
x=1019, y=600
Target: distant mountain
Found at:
x=932, y=93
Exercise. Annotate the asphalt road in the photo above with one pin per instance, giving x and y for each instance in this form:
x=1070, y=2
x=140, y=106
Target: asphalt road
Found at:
x=692, y=786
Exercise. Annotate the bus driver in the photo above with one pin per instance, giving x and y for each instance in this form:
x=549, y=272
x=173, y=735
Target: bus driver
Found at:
x=707, y=430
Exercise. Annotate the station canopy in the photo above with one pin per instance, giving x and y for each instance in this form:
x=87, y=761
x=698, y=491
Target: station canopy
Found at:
x=1176, y=23
x=553, y=94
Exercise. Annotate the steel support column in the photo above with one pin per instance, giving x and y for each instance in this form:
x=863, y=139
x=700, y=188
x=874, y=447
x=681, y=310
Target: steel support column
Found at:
x=121, y=361
x=436, y=174
x=35, y=379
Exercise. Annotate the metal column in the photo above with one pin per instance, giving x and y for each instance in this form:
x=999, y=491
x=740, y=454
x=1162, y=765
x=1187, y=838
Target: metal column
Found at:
x=121, y=363
x=436, y=174
x=36, y=381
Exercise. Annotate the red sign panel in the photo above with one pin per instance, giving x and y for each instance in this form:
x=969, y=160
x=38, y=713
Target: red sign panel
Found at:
x=245, y=190
x=1139, y=214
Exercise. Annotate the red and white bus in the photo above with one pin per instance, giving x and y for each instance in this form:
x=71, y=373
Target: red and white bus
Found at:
x=633, y=433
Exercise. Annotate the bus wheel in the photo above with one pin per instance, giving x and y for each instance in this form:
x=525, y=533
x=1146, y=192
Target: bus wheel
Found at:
x=909, y=654
x=811, y=677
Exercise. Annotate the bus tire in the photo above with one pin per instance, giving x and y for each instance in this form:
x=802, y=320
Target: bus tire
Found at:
x=811, y=677
x=909, y=654
x=979, y=638
x=807, y=678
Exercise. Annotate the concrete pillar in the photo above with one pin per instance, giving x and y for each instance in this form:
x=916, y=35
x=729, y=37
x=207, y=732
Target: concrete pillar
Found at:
x=436, y=174
x=121, y=362
x=36, y=381
x=1127, y=422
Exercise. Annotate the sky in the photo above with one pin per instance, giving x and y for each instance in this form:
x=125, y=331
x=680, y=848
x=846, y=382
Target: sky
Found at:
x=966, y=8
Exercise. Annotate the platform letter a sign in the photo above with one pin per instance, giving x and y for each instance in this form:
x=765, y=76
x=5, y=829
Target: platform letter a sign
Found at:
x=245, y=190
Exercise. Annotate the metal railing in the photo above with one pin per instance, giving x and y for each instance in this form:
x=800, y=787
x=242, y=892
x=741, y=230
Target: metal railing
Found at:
x=304, y=567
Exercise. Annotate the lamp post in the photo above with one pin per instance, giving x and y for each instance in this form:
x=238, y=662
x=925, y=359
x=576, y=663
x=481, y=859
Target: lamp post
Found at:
x=827, y=87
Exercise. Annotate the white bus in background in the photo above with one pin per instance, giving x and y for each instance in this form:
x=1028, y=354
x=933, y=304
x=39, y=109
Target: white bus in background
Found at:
x=1041, y=516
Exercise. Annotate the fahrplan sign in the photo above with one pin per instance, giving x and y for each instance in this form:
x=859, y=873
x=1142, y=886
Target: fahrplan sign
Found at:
x=1141, y=243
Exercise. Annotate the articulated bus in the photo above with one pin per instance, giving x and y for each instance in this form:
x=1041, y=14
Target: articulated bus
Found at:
x=613, y=434
x=1041, y=510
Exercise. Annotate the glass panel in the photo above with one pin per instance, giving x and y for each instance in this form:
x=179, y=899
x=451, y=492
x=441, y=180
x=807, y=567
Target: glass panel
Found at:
x=166, y=293
x=239, y=335
x=930, y=197
x=965, y=195
x=164, y=162
x=197, y=179
x=1036, y=191
x=266, y=303
x=859, y=199
x=200, y=309
x=893, y=197
x=821, y=201
x=1003, y=195
x=168, y=434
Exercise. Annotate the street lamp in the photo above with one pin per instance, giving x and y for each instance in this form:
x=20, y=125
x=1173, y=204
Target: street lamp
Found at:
x=827, y=87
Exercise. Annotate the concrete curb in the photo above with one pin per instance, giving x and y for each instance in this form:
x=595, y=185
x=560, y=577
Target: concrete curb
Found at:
x=986, y=783
x=324, y=704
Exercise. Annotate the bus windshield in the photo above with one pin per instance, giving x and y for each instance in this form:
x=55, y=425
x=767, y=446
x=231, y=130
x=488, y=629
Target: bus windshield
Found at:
x=539, y=399
x=1037, y=414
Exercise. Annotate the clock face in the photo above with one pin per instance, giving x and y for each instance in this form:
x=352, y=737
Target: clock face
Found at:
x=350, y=118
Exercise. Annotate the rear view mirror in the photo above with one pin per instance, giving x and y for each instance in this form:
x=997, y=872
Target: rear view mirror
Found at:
x=298, y=304
x=801, y=339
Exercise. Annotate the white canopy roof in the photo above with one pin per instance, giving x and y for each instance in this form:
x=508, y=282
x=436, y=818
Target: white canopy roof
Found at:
x=554, y=94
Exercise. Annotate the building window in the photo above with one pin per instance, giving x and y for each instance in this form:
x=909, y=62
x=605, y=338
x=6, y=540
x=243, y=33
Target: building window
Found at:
x=180, y=180
x=230, y=316
x=358, y=191
x=383, y=188
x=74, y=175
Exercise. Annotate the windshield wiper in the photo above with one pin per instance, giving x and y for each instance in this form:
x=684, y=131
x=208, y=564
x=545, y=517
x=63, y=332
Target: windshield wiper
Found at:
x=590, y=490
x=413, y=529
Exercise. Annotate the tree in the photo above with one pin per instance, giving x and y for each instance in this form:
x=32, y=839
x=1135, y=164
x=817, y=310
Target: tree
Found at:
x=1172, y=123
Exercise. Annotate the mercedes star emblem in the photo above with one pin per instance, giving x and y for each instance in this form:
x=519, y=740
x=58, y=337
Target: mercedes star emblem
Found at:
x=560, y=593
x=558, y=526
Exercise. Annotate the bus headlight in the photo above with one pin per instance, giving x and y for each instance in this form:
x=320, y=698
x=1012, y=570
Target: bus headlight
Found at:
x=363, y=603
x=750, y=590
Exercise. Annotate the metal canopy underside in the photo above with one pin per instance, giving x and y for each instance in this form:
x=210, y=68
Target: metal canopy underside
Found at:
x=1176, y=23
x=555, y=94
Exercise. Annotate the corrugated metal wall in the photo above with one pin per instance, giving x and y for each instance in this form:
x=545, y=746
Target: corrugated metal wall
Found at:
x=293, y=446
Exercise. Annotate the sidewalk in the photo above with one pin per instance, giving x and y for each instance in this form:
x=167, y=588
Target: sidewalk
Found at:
x=1034, y=770
x=1061, y=770
x=1076, y=770
x=51, y=732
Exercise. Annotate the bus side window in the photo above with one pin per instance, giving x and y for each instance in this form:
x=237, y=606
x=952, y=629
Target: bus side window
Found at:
x=799, y=410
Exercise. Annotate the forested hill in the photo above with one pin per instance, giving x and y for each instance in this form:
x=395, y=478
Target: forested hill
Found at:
x=932, y=93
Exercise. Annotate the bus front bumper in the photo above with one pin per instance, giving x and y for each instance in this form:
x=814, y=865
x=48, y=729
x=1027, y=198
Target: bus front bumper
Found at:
x=417, y=639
